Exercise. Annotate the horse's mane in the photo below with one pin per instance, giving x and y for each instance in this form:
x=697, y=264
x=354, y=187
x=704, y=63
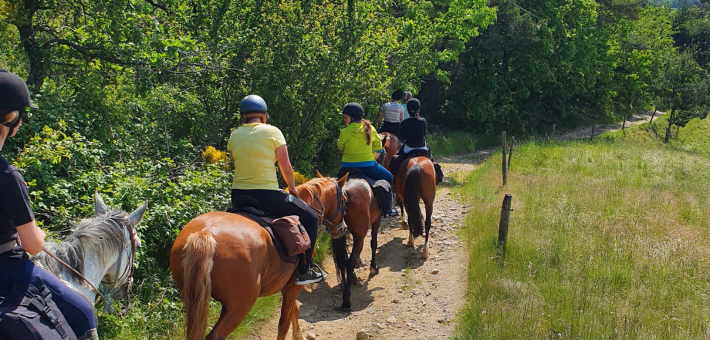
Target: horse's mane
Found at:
x=104, y=233
x=315, y=185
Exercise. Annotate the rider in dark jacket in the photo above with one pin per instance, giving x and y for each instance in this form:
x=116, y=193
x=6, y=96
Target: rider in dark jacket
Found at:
x=413, y=139
x=19, y=233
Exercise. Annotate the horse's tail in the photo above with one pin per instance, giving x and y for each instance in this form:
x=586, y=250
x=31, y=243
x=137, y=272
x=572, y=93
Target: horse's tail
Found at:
x=340, y=255
x=411, y=200
x=197, y=266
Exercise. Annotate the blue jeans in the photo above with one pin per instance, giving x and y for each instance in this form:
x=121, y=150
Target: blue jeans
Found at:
x=376, y=171
x=78, y=312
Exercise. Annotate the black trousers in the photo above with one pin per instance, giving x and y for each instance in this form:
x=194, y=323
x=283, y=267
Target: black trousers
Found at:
x=276, y=203
x=393, y=128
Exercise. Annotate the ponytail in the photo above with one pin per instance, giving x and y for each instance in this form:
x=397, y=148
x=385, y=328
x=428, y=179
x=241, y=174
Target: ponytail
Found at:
x=368, y=130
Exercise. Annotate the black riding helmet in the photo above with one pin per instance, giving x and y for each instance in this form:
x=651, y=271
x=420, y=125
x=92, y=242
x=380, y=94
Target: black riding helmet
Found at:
x=14, y=98
x=354, y=110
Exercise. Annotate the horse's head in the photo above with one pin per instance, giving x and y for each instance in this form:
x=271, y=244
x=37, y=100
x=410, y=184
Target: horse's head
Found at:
x=332, y=200
x=119, y=276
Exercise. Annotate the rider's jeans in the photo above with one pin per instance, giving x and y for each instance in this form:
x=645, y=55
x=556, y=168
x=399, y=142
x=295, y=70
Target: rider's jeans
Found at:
x=377, y=172
x=78, y=312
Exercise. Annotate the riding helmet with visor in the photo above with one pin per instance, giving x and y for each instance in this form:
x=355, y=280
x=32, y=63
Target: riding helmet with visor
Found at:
x=14, y=99
x=354, y=110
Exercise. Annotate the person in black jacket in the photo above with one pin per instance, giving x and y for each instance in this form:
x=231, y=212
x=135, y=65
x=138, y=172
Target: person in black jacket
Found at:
x=19, y=234
x=413, y=132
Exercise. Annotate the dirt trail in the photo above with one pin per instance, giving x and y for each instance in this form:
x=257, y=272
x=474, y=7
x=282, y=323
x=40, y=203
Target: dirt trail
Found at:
x=411, y=297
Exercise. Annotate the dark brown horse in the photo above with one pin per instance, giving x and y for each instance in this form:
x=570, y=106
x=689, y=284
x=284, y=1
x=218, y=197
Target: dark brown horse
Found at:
x=415, y=181
x=363, y=211
x=232, y=258
x=391, y=144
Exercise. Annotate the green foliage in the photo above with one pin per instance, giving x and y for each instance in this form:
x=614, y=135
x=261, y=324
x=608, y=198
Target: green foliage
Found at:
x=606, y=241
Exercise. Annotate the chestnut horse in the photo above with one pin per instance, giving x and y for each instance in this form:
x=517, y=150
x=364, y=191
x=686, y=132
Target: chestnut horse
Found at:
x=363, y=211
x=416, y=180
x=233, y=259
x=391, y=144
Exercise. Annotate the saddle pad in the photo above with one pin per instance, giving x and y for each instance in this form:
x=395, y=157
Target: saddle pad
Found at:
x=265, y=222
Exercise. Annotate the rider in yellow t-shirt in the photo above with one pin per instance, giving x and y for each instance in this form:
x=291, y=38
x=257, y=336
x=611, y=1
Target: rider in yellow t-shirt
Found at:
x=255, y=147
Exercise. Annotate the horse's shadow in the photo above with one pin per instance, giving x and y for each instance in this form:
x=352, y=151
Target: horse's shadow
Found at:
x=322, y=303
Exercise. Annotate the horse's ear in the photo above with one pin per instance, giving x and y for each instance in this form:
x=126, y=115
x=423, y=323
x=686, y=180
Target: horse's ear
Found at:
x=99, y=206
x=342, y=180
x=137, y=216
x=318, y=173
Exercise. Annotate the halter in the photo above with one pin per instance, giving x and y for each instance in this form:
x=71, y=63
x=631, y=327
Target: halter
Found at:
x=333, y=226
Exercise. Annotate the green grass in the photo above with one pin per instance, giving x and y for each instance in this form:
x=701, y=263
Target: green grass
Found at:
x=608, y=240
x=157, y=310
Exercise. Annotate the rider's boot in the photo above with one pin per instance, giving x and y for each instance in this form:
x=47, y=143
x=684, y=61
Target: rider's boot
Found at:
x=306, y=274
x=91, y=334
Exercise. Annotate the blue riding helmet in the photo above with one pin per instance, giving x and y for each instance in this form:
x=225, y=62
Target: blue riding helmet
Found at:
x=252, y=103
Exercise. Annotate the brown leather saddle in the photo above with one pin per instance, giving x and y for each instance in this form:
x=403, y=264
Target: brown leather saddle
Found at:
x=248, y=206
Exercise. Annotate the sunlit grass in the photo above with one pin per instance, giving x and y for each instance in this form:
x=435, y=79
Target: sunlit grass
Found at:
x=608, y=240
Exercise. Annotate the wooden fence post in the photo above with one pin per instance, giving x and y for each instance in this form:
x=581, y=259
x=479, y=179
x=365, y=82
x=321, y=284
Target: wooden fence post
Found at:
x=505, y=168
x=594, y=126
x=510, y=154
x=504, y=220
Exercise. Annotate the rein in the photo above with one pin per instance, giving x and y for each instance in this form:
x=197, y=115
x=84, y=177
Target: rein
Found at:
x=125, y=309
x=79, y=275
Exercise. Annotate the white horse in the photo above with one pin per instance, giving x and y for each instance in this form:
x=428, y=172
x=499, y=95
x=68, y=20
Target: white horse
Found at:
x=102, y=249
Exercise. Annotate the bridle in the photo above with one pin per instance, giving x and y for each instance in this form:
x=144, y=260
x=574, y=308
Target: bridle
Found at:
x=127, y=272
x=340, y=210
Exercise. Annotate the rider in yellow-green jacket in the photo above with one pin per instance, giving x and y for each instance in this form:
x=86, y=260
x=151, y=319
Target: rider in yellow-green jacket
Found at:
x=358, y=141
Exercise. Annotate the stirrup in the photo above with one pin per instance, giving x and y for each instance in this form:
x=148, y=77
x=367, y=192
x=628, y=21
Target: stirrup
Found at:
x=320, y=270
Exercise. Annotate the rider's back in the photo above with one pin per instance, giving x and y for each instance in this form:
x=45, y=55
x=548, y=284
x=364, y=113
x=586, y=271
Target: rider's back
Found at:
x=254, y=147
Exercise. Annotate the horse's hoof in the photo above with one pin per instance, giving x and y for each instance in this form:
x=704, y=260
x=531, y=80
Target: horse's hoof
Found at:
x=405, y=226
x=410, y=241
x=358, y=263
x=374, y=271
x=346, y=307
x=425, y=252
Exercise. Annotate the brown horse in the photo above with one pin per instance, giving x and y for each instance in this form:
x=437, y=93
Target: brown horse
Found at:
x=363, y=211
x=416, y=180
x=233, y=259
x=391, y=144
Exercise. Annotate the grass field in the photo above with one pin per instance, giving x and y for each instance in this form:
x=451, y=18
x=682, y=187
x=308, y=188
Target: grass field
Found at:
x=608, y=240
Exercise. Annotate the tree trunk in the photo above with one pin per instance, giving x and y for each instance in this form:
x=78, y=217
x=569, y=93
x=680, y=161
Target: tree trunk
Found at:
x=671, y=119
x=23, y=22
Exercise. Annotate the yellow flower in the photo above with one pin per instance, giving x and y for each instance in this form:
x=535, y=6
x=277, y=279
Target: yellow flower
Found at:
x=212, y=155
x=299, y=178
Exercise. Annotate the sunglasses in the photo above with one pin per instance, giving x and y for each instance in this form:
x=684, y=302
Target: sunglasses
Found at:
x=10, y=119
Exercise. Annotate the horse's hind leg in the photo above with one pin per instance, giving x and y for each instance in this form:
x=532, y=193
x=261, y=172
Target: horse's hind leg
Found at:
x=290, y=311
x=429, y=210
x=405, y=226
x=233, y=313
x=374, y=270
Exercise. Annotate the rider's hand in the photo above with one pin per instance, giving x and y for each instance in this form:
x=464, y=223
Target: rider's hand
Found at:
x=293, y=191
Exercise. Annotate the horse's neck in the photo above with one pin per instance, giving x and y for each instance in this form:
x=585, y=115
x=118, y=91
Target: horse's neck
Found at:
x=95, y=267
